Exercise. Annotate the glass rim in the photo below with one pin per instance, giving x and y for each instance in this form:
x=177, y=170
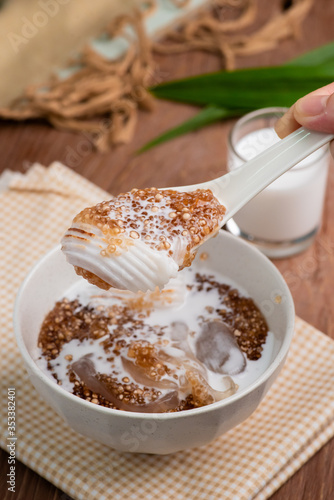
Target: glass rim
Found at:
x=276, y=112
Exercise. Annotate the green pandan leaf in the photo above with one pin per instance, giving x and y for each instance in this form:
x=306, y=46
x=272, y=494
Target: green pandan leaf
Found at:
x=206, y=116
x=316, y=57
x=227, y=94
x=257, y=88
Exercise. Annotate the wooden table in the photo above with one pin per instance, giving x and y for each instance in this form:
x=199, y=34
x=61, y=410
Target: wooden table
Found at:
x=189, y=159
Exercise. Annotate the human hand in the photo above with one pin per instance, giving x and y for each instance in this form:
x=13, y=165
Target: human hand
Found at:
x=314, y=111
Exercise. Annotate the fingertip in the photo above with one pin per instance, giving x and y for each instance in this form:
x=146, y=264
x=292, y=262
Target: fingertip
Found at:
x=280, y=128
x=286, y=124
x=316, y=111
x=310, y=106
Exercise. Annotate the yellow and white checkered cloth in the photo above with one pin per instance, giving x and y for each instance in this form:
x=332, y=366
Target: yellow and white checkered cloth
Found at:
x=249, y=462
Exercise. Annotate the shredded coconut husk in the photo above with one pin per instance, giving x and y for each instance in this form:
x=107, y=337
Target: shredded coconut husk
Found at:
x=212, y=33
x=103, y=97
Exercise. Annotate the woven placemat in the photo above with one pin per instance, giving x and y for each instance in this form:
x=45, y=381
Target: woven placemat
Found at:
x=249, y=462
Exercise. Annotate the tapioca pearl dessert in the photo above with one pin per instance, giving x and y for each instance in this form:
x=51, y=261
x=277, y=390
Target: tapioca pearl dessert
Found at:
x=140, y=240
x=195, y=343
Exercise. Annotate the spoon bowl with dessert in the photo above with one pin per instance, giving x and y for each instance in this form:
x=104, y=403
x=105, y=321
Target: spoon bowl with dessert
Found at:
x=141, y=239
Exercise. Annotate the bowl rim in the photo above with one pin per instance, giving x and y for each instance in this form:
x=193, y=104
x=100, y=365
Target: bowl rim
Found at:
x=281, y=355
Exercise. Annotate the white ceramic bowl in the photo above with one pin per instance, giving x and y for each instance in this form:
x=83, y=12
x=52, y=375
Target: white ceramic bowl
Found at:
x=160, y=433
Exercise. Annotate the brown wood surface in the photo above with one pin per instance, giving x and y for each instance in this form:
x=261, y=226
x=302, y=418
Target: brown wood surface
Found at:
x=193, y=158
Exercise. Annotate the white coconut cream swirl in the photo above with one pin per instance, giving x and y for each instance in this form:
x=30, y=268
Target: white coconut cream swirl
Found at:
x=139, y=240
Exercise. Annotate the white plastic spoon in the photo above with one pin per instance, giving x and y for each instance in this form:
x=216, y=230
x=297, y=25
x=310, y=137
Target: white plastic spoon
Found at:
x=139, y=265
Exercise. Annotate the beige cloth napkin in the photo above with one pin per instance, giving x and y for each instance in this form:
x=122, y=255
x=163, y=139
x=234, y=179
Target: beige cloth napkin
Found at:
x=249, y=462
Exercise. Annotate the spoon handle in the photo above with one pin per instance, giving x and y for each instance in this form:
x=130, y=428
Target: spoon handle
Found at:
x=236, y=188
x=239, y=186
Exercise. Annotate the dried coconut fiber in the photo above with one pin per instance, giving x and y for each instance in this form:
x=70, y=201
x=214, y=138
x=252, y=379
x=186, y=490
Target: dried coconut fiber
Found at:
x=97, y=87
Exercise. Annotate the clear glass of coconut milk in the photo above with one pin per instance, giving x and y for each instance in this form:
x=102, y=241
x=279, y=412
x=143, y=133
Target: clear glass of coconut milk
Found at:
x=285, y=217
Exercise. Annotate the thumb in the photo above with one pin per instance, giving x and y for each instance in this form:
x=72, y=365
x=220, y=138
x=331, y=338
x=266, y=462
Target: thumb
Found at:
x=316, y=112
